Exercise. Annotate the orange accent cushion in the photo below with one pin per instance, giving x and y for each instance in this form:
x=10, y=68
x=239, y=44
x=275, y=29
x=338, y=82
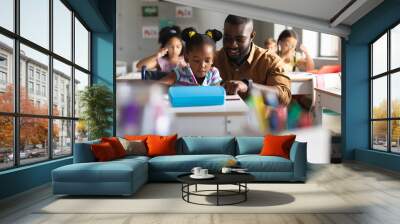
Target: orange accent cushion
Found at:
x=116, y=145
x=161, y=145
x=277, y=145
x=103, y=151
x=136, y=137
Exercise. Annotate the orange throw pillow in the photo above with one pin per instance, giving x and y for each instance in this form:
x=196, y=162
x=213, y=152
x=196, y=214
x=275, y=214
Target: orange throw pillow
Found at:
x=136, y=137
x=103, y=152
x=116, y=145
x=277, y=145
x=161, y=145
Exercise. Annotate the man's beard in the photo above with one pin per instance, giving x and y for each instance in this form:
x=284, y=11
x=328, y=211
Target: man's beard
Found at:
x=239, y=59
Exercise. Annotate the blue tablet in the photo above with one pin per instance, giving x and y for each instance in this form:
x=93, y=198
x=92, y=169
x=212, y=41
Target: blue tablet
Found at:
x=194, y=96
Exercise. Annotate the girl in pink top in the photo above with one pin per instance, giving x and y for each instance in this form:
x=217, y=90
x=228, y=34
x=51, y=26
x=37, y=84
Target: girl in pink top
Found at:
x=170, y=53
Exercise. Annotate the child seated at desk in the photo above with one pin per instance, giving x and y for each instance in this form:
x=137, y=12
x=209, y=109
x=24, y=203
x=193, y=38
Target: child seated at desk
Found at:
x=199, y=55
x=170, y=53
x=293, y=60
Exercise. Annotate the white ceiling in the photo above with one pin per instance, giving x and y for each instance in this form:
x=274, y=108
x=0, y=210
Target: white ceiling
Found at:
x=308, y=14
x=321, y=9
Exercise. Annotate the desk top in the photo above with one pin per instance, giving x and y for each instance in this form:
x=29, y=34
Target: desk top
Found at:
x=300, y=76
x=233, y=105
x=330, y=91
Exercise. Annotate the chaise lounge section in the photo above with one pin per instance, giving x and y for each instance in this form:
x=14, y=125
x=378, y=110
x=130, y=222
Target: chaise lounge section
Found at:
x=125, y=176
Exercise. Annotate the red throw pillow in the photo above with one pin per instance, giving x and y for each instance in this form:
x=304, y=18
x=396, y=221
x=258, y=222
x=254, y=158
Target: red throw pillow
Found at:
x=277, y=145
x=161, y=145
x=116, y=145
x=103, y=152
x=329, y=69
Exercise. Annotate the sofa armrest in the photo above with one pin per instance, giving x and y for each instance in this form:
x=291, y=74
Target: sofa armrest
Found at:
x=298, y=155
x=83, y=152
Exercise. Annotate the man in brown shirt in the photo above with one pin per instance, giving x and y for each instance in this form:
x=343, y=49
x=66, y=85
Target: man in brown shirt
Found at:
x=241, y=62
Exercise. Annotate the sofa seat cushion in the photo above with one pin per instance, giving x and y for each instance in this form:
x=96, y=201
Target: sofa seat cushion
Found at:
x=257, y=163
x=112, y=171
x=185, y=163
x=133, y=157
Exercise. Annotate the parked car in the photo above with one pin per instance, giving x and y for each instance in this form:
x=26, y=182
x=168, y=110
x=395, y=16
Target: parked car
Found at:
x=22, y=155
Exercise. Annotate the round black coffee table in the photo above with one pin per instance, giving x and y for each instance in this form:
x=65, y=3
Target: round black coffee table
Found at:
x=238, y=179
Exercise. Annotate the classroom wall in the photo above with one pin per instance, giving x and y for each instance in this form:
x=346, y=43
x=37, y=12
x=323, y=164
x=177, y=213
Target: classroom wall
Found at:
x=355, y=83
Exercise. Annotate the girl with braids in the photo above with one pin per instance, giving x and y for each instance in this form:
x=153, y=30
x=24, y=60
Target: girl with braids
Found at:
x=199, y=56
x=170, y=53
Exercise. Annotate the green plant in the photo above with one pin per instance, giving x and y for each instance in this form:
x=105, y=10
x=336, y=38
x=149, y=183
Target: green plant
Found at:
x=96, y=103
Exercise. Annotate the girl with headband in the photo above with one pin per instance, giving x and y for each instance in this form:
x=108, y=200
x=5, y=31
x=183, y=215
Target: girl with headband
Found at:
x=170, y=53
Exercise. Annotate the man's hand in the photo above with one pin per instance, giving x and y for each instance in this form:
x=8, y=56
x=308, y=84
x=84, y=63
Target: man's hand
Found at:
x=162, y=52
x=234, y=87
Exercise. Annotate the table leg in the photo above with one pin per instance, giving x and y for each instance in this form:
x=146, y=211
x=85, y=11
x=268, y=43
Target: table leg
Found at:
x=196, y=187
x=245, y=191
x=318, y=110
x=182, y=190
x=217, y=194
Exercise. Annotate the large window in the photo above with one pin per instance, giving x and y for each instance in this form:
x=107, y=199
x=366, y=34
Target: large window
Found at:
x=385, y=93
x=321, y=44
x=44, y=64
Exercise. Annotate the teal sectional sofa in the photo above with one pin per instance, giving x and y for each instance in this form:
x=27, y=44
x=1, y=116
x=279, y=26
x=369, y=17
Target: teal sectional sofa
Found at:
x=125, y=176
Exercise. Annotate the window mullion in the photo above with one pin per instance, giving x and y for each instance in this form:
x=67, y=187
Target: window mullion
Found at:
x=371, y=89
x=389, y=113
x=73, y=82
x=319, y=45
x=50, y=81
x=16, y=85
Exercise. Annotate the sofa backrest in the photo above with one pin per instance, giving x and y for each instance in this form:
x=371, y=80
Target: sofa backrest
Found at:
x=249, y=145
x=206, y=145
x=83, y=153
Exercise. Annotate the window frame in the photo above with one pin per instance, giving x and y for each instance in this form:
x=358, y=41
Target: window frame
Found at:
x=16, y=114
x=388, y=74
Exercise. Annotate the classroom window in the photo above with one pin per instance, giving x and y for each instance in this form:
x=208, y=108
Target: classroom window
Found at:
x=43, y=113
x=310, y=40
x=385, y=96
x=320, y=44
x=329, y=45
